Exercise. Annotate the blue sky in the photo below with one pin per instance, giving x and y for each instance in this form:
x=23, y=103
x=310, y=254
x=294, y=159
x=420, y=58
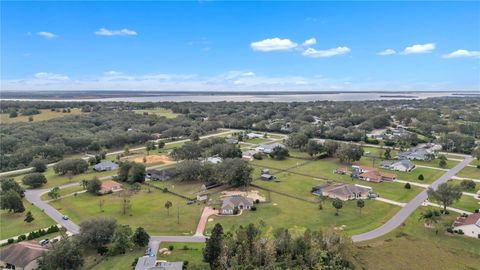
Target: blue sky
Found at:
x=346, y=46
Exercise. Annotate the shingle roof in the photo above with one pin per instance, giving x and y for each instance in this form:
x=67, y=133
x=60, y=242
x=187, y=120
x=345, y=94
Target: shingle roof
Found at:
x=21, y=254
x=234, y=201
x=471, y=219
x=345, y=189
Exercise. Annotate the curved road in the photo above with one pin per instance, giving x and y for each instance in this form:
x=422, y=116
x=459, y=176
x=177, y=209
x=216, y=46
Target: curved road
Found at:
x=411, y=206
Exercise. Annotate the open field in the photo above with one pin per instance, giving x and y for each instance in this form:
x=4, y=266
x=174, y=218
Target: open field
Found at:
x=13, y=224
x=43, y=116
x=64, y=191
x=467, y=203
x=267, y=162
x=435, y=163
x=413, y=246
x=470, y=172
x=55, y=180
x=292, y=213
x=120, y=262
x=159, y=112
x=257, y=140
x=147, y=211
x=191, y=252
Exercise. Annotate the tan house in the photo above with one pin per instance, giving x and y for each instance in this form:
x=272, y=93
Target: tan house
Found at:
x=23, y=255
x=370, y=174
x=110, y=186
x=343, y=192
x=470, y=225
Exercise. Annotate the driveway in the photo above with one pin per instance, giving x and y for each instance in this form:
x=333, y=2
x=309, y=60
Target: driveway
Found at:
x=207, y=211
x=411, y=206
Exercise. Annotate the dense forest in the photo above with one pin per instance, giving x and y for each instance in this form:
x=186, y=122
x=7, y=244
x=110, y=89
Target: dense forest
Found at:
x=452, y=122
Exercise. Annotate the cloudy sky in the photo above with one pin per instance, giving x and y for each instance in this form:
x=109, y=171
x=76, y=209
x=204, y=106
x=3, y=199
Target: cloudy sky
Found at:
x=344, y=46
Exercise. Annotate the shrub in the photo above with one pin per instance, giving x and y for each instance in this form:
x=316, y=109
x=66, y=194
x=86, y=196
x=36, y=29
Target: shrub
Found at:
x=21, y=238
x=461, y=232
x=102, y=250
x=34, y=180
x=258, y=156
x=10, y=241
x=257, y=201
x=171, y=247
x=407, y=186
x=165, y=190
x=253, y=208
x=450, y=230
x=421, y=178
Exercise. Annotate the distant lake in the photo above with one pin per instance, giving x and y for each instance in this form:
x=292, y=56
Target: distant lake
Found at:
x=288, y=97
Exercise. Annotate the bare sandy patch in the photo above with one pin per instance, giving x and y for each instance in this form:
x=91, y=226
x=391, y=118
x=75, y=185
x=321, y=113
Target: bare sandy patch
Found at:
x=153, y=159
x=252, y=194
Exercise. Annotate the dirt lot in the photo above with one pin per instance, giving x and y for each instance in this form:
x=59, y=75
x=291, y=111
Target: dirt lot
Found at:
x=152, y=159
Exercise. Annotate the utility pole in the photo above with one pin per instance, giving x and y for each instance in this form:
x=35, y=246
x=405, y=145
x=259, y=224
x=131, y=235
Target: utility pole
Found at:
x=178, y=214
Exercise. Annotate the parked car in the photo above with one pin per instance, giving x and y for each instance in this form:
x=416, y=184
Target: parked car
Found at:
x=44, y=242
x=148, y=252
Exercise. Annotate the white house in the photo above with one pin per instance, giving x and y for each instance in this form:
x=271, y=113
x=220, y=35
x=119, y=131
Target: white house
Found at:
x=470, y=225
x=214, y=160
x=268, y=148
x=254, y=135
x=403, y=165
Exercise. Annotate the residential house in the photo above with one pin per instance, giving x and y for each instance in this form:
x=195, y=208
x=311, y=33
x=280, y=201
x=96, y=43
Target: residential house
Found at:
x=248, y=155
x=23, y=255
x=470, y=225
x=267, y=177
x=110, y=186
x=151, y=263
x=403, y=165
x=214, y=160
x=343, y=192
x=268, y=148
x=415, y=154
x=157, y=175
x=105, y=166
x=231, y=141
x=371, y=174
x=232, y=204
x=253, y=135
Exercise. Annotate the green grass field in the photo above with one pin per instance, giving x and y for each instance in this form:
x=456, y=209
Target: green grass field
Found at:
x=467, y=203
x=413, y=246
x=120, y=262
x=64, y=191
x=13, y=224
x=43, y=116
x=470, y=172
x=147, y=211
x=191, y=252
x=159, y=112
x=278, y=164
x=435, y=163
x=292, y=213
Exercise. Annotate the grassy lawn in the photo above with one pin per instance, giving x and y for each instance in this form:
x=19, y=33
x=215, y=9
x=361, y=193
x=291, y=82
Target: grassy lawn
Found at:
x=299, y=154
x=296, y=185
x=430, y=175
x=292, y=213
x=121, y=262
x=278, y=164
x=412, y=242
x=470, y=172
x=375, y=151
x=257, y=141
x=189, y=189
x=457, y=182
x=147, y=210
x=467, y=203
x=191, y=252
x=44, y=115
x=435, y=163
x=13, y=224
x=55, y=180
x=159, y=112
x=64, y=191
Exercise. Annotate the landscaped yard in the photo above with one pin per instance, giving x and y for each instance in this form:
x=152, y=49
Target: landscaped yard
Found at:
x=191, y=252
x=421, y=246
x=44, y=115
x=467, y=203
x=159, y=112
x=470, y=172
x=147, y=211
x=13, y=224
x=292, y=213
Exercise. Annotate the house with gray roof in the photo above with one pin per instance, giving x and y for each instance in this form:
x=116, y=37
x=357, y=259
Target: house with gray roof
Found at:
x=268, y=148
x=343, y=192
x=151, y=263
x=403, y=165
x=105, y=166
x=160, y=175
x=232, y=204
x=23, y=255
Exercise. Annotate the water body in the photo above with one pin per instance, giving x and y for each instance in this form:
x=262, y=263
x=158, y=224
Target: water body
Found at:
x=289, y=97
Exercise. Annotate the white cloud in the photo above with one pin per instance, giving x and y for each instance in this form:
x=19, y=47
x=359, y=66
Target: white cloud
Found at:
x=121, y=32
x=419, y=48
x=462, y=53
x=309, y=42
x=387, y=52
x=310, y=52
x=47, y=35
x=273, y=44
x=50, y=76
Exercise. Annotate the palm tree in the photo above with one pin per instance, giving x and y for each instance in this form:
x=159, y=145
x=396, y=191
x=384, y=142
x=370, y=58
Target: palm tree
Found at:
x=431, y=217
x=360, y=204
x=168, y=204
x=337, y=203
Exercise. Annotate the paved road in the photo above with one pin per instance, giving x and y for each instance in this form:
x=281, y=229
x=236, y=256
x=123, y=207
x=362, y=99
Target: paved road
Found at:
x=410, y=207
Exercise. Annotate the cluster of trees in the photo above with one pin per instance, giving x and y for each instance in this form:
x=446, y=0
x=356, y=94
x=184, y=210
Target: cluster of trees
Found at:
x=250, y=248
x=72, y=166
x=11, y=195
x=445, y=194
x=103, y=235
x=234, y=172
x=131, y=172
